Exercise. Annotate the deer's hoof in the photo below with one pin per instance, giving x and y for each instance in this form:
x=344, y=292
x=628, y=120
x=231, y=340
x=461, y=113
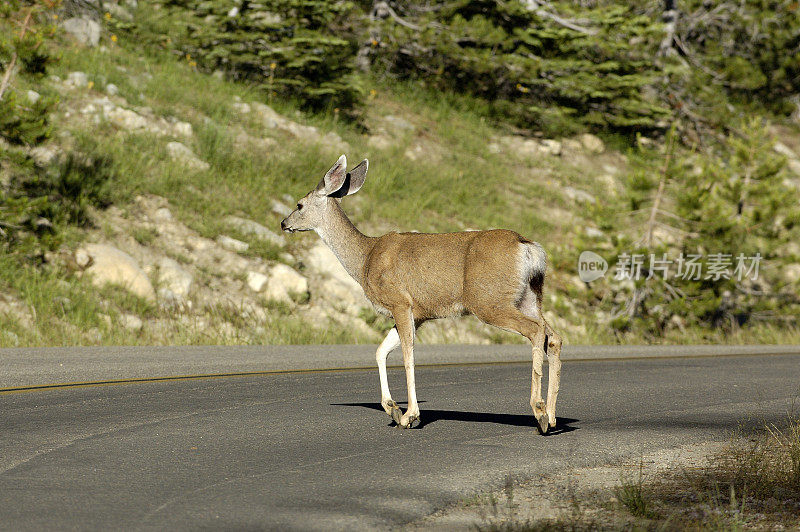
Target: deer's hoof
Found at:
x=390, y=407
x=397, y=415
x=544, y=423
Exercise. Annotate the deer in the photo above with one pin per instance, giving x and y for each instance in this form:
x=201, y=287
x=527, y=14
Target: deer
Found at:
x=496, y=275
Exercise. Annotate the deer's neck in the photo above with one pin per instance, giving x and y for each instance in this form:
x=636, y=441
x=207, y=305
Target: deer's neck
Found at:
x=349, y=244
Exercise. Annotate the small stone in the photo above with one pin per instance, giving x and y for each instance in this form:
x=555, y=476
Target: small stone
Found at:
x=280, y=209
x=592, y=143
x=256, y=281
x=82, y=258
x=231, y=244
x=162, y=215
x=398, y=123
x=180, y=153
x=182, y=128
x=126, y=119
x=593, y=232
x=83, y=29
x=580, y=196
x=249, y=227
x=550, y=146
x=284, y=282
x=380, y=142
x=174, y=278
x=43, y=156
x=131, y=322
x=33, y=96
x=242, y=108
x=784, y=150
x=77, y=80
x=112, y=89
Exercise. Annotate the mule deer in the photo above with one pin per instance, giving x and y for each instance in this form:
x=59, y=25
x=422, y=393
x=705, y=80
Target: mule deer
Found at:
x=496, y=275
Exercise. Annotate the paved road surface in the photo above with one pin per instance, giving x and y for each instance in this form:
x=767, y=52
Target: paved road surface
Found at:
x=314, y=450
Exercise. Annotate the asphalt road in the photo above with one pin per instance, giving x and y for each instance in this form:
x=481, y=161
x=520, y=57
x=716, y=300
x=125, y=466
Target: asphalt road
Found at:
x=313, y=450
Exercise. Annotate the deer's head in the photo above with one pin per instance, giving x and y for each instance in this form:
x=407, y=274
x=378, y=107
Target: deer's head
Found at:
x=312, y=208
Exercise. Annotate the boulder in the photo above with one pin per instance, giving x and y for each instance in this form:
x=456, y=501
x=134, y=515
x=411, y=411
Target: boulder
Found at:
x=592, y=143
x=77, y=80
x=256, y=281
x=580, y=196
x=174, y=283
x=249, y=227
x=280, y=209
x=109, y=265
x=131, y=322
x=283, y=283
x=126, y=119
x=83, y=29
x=180, y=153
x=231, y=244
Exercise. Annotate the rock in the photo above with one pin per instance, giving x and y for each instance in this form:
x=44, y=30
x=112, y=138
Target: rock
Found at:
x=578, y=195
x=33, y=96
x=241, y=108
x=794, y=166
x=593, y=232
x=172, y=277
x=322, y=260
x=162, y=214
x=231, y=244
x=43, y=156
x=110, y=265
x=126, y=119
x=245, y=141
x=592, y=143
x=249, y=227
x=280, y=209
x=284, y=282
x=180, y=153
x=570, y=146
x=380, y=142
x=112, y=90
x=791, y=272
x=397, y=123
x=83, y=29
x=550, y=146
x=183, y=129
x=10, y=338
x=77, y=80
x=131, y=322
x=118, y=12
x=82, y=258
x=784, y=150
x=343, y=296
x=256, y=281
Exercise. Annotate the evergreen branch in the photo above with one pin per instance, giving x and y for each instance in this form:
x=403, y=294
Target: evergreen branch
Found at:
x=536, y=7
x=10, y=69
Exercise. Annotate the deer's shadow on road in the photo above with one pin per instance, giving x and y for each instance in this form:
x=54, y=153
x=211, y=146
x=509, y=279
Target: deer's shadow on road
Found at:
x=429, y=417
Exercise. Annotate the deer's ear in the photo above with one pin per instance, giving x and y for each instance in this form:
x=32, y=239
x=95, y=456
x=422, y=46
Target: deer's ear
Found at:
x=336, y=176
x=356, y=177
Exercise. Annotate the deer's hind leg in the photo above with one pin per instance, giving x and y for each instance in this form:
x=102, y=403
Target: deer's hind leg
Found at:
x=533, y=328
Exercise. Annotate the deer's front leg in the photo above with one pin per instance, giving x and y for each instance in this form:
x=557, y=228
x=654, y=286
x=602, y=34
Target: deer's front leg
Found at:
x=404, y=323
x=389, y=343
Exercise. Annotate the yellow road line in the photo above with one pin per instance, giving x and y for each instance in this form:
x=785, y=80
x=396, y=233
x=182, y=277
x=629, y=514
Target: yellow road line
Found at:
x=113, y=382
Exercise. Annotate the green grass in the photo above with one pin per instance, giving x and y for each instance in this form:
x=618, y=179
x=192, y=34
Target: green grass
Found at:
x=458, y=184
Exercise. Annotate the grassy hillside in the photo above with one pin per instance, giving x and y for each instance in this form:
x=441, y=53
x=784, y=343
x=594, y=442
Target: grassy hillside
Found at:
x=436, y=164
